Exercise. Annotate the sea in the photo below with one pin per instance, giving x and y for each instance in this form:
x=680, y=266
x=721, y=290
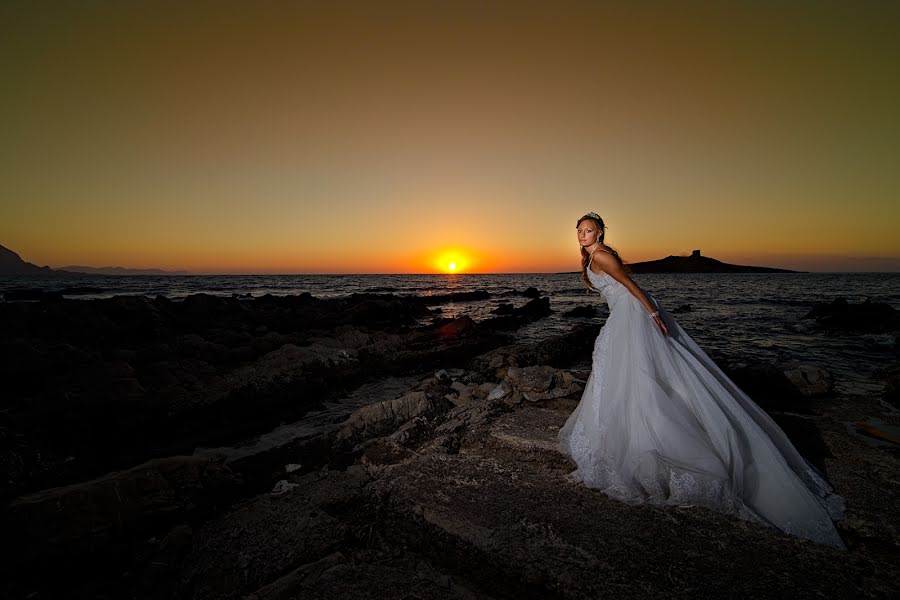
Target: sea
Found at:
x=741, y=317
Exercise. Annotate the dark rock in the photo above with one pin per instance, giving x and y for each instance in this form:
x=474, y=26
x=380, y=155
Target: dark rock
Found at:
x=536, y=308
x=95, y=516
x=26, y=294
x=840, y=315
x=457, y=327
x=443, y=376
x=116, y=381
x=156, y=579
x=426, y=400
x=273, y=533
x=541, y=382
x=503, y=323
x=373, y=310
x=301, y=579
x=811, y=381
x=352, y=575
x=769, y=387
x=505, y=308
x=475, y=501
x=585, y=311
x=558, y=351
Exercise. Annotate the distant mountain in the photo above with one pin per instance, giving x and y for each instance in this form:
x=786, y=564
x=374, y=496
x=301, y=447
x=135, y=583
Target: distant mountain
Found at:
x=12, y=264
x=119, y=271
x=695, y=263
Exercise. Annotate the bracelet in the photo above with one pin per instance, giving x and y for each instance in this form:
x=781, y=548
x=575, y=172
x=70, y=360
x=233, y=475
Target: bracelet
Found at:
x=654, y=314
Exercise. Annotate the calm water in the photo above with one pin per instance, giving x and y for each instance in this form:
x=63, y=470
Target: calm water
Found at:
x=743, y=317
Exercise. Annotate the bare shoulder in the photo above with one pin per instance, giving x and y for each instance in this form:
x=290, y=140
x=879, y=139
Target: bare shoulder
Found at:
x=604, y=261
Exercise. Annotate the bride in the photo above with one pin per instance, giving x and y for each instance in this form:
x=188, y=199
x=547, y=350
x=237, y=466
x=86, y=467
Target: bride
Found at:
x=660, y=423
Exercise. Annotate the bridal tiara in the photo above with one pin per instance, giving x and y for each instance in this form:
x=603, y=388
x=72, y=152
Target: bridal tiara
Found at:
x=593, y=215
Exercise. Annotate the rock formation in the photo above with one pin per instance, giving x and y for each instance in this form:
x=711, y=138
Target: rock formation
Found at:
x=286, y=447
x=451, y=488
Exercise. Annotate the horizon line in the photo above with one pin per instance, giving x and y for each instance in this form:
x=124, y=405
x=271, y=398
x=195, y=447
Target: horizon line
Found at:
x=250, y=273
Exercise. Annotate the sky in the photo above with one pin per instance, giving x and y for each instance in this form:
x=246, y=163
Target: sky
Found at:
x=398, y=137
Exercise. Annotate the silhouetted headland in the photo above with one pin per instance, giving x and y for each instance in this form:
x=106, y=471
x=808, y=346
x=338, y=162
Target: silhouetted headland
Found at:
x=11, y=264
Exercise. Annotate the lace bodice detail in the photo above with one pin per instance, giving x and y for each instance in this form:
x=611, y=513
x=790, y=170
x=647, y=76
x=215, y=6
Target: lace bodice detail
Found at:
x=605, y=283
x=601, y=282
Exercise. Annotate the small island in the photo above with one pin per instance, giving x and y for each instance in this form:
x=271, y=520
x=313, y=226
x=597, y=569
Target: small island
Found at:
x=695, y=263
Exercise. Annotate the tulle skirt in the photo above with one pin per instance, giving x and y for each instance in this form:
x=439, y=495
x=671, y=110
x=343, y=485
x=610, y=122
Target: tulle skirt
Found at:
x=660, y=423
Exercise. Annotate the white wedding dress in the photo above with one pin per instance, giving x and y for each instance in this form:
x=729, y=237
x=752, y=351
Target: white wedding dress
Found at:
x=660, y=423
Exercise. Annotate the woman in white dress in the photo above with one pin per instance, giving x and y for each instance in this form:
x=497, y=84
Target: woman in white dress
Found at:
x=660, y=423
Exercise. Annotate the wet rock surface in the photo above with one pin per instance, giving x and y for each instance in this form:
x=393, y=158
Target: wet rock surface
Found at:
x=97, y=385
x=450, y=486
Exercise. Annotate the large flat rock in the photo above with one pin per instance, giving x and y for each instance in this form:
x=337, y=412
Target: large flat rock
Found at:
x=506, y=508
x=265, y=537
x=530, y=435
x=367, y=575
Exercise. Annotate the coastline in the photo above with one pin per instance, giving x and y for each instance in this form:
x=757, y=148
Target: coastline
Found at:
x=346, y=445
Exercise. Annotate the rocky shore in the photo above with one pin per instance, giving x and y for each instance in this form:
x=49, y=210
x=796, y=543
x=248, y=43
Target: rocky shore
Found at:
x=293, y=447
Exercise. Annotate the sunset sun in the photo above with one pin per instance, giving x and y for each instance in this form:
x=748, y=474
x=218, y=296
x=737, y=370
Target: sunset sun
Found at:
x=451, y=260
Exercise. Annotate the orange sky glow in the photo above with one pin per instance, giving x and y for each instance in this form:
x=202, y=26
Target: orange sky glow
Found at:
x=395, y=137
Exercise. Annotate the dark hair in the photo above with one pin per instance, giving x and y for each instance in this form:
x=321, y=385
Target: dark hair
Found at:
x=585, y=256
